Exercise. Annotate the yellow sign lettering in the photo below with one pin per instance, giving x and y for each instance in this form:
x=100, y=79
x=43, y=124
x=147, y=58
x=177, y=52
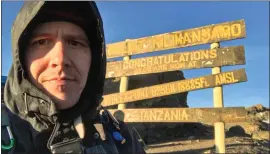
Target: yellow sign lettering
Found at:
x=182, y=58
x=236, y=30
x=196, y=56
x=206, y=35
x=215, y=33
x=204, y=82
x=158, y=41
x=162, y=115
x=153, y=115
x=218, y=82
x=192, y=82
x=225, y=31
x=220, y=79
x=184, y=115
x=187, y=86
x=225, y=78
x=140, y=44
x=174, y=115
x=178, y=39
x=168, y=40
x=187, y=40
x=213, y=54
x=146, y=116
x=191, y=64
x=175, y=87
x=196, y=36
x=230, y=77
x=143, y=62
x=167, y=116
x=204, y=54
x=187, y=54
x=155, y=61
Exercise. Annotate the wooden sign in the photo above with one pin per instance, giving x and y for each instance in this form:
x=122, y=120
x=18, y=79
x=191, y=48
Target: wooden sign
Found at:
x=190, y=37
x=179, y=61
x=175, y=87
x=204, y=115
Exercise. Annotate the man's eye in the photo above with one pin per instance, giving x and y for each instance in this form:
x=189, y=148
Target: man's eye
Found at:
x=41, y=42
x=75, y=43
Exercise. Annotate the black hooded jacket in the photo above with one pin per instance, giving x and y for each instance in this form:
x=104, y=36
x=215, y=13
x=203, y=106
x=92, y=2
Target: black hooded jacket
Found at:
x=33, y=115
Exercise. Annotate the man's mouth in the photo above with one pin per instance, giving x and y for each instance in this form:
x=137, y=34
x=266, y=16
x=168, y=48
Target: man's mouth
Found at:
x=60, y=80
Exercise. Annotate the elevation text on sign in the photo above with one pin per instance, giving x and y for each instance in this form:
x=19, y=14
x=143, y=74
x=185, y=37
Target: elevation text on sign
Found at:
x=175, y=87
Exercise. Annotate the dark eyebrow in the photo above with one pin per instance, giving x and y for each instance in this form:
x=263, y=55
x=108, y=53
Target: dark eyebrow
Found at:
x=66, y=36
x=41, y=35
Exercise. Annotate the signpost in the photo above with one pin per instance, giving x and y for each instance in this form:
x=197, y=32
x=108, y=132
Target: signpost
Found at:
x=123, y=85
x=179, y=61
x=175, y=87
x=205, y=115
x=218, y=102
x=184, y=38
x=214, y=58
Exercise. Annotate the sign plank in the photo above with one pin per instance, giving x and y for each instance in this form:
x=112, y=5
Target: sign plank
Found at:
x=179, y=61
x=178, y=39
x=204, y=115
x=175, y=87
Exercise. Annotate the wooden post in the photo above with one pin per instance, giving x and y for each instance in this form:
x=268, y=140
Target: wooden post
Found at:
x=123, y=86
x=218, y=102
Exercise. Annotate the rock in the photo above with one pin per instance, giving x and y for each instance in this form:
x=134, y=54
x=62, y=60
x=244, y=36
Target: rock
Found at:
x=265, y=115
x=259, y=108
x=256, y=108
x=176, y=100
x=237, y=130
x=140, y=81
x=261, y=135
x=248, y=127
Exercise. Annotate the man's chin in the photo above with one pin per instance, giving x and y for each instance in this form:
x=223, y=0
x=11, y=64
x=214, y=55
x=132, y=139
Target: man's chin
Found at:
x=63, y=99
x=64, y=102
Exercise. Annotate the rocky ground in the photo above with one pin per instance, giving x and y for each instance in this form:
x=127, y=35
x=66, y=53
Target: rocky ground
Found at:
x=236, y=144
x=246, y=137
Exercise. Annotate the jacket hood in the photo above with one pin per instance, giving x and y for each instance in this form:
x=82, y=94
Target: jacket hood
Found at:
x=28, y=102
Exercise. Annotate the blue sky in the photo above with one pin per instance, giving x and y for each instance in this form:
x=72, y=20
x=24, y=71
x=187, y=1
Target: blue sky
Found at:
x=130, y=20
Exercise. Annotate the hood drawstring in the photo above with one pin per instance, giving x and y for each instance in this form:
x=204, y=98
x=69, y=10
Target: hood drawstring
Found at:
x=25, y=103
x=54, y=132
x=32, y=114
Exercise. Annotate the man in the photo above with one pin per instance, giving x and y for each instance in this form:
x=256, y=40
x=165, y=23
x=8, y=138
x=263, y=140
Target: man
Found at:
x=55, y=85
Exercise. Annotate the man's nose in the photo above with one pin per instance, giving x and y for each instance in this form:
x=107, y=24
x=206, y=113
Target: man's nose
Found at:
x=59, y=57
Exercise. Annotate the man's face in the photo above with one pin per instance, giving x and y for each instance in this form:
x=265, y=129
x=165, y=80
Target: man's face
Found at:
x=58, y=59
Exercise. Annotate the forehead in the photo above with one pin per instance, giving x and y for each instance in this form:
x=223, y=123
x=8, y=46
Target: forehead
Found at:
x=56, y=27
